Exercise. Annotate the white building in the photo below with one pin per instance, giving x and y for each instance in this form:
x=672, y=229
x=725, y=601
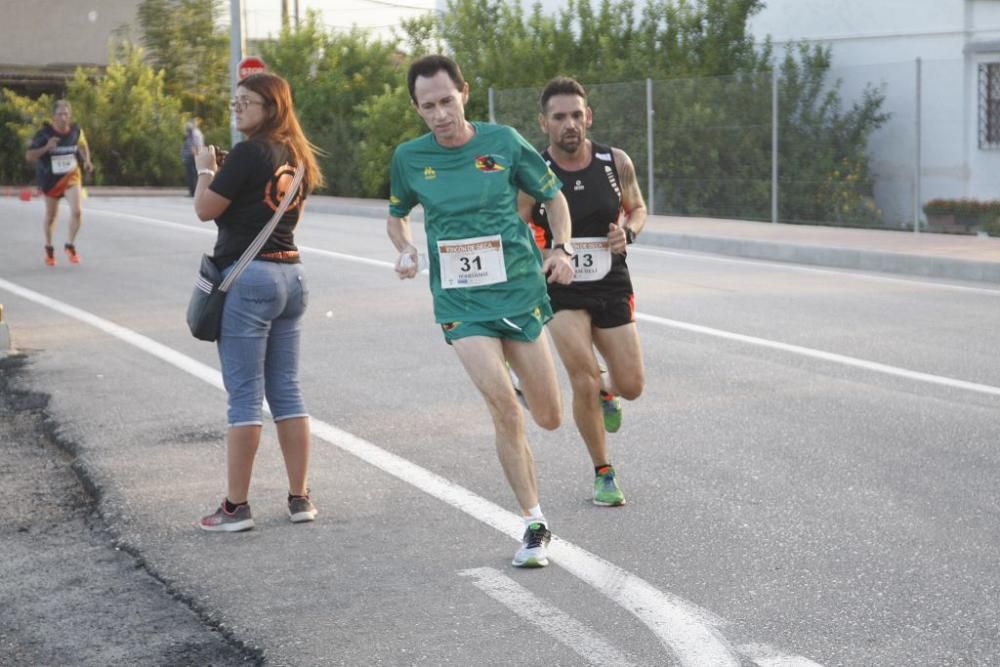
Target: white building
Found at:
x=957, y=43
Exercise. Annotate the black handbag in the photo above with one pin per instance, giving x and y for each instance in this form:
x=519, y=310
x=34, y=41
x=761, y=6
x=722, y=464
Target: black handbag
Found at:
x=204, y=312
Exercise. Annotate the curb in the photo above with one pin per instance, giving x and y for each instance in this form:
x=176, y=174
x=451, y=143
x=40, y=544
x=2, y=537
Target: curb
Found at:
x=834, y=257
x=774, y=251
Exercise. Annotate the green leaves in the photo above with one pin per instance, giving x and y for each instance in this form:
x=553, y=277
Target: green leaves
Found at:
x=134, y=128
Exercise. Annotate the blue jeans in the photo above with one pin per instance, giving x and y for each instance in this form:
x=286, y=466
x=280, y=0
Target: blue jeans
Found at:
x=259, y=344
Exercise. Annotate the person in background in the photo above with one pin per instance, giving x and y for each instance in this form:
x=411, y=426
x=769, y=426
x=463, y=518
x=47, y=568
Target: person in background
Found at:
x=194, y=141
x=58, y=149
x=261, y=321
x=598, y=308
x=487, y=277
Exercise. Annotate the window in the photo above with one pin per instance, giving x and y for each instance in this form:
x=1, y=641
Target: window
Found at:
x=989, y=106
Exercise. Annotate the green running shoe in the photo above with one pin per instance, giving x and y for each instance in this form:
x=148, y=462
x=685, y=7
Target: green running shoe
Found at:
x=606, y=491
x=611, y=406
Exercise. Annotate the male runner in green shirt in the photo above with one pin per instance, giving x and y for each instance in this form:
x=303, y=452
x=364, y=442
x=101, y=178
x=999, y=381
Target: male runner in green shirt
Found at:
x=487, y=276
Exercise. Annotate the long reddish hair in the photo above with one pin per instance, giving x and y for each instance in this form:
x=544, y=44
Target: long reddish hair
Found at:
x=281, y=127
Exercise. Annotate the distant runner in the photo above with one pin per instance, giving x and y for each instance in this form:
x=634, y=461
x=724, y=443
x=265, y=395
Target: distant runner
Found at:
x=57, y=151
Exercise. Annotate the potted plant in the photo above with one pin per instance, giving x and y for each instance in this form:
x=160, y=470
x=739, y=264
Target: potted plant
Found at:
x=961, y=216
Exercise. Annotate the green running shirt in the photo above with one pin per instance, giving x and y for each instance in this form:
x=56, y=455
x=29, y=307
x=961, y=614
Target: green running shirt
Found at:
x=470, y=192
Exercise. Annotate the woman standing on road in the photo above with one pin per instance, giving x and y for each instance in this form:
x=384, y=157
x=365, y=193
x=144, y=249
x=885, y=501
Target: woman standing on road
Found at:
x=259, y=343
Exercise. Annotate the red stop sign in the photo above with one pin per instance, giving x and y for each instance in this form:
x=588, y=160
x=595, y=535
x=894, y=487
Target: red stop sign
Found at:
x=248, y=66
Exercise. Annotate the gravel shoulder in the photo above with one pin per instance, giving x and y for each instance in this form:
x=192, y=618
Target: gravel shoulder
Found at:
x=68, y=594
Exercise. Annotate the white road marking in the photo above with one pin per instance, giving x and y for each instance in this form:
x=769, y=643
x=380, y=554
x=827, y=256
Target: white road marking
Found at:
x=767, y=656
x=718, y=333
x=825, y=356
x=562, y=627
x=708, y=331
x=682, y=627
x=788, y=266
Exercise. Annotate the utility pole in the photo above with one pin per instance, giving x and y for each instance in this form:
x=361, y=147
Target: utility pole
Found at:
x=237, y=46
x=284, y=14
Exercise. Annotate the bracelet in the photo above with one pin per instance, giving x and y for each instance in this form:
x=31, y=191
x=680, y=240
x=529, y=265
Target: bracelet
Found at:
x=206, y=171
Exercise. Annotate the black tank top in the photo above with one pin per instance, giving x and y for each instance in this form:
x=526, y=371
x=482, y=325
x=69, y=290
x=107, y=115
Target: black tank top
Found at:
x=595, y=201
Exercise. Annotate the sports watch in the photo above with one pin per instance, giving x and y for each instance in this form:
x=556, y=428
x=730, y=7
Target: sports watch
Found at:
x=629, y=236
x=567, y=248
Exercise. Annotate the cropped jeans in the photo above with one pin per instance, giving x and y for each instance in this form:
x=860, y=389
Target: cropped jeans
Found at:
x=259, y=344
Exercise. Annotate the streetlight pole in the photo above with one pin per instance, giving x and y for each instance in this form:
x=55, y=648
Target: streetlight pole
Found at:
x=237, y=46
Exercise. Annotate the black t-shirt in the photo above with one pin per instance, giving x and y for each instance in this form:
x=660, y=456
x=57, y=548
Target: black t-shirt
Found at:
x=253, y=183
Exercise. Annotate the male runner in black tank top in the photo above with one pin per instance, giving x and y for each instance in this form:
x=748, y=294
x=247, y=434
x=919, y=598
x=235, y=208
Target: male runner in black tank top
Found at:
x=598, y=308
x=58, y=149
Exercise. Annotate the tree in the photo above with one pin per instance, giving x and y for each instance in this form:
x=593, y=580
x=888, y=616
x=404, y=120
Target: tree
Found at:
x=331, y=74
x=20, y=118
x=185, y=40
x=134, y=128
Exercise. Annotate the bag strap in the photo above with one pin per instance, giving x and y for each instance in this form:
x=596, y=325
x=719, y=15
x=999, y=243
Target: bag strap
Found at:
x=251, y=252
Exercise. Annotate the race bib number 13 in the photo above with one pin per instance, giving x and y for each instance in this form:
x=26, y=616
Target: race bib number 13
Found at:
x=472, y=262
x=592, y=260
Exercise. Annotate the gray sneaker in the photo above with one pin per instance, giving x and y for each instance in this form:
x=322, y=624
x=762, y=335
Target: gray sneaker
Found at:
x=534, y=551
x=301, y=509
x=223, y=521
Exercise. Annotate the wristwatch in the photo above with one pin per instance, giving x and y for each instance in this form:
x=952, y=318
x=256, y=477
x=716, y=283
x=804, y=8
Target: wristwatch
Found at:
x=567, y=248
x=629, y=236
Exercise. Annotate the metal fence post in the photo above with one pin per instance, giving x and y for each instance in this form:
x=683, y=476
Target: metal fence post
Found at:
x=917, y=157
x=774, y=145
x=492, y=112
x=650, y=199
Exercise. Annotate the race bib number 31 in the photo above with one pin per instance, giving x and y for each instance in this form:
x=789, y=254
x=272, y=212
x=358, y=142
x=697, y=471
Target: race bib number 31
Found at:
x=472, y=262
x=592, y=260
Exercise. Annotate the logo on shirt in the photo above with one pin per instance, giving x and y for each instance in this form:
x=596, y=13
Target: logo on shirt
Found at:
x=429, y=173
x=578, y=186
x=278, y=185
x=488, y=163
x=548, y=180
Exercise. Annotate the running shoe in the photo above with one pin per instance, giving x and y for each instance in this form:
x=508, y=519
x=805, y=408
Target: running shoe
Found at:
x=606, y=490
x=71, y=253
x=301, y=509
x=611, y=406
x=533, y=551
x=228, y=522
x=50, y=256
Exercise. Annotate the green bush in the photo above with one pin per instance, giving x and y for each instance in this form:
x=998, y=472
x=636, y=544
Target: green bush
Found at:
x=964, y=208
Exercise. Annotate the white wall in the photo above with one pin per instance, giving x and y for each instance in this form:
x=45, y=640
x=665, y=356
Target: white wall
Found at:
x=879, y=42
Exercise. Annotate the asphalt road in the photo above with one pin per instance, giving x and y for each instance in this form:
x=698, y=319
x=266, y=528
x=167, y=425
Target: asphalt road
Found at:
x=811, y=471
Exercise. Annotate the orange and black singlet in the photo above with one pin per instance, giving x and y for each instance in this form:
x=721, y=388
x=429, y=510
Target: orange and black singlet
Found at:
x=59, y=169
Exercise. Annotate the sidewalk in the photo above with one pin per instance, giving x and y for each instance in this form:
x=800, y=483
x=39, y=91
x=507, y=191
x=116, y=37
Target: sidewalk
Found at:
x=945, y=256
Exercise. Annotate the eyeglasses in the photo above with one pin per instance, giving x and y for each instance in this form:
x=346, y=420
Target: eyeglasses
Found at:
x=240, y=103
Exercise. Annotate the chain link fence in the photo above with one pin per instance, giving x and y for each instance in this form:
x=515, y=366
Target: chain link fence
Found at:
x=838, y=148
